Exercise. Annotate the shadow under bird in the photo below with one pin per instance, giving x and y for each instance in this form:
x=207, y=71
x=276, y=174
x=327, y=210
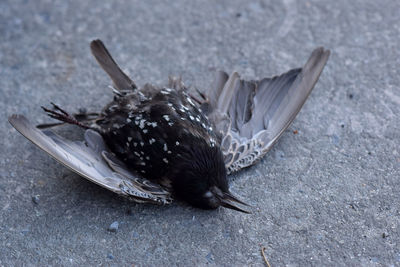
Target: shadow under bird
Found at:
x=154, y=144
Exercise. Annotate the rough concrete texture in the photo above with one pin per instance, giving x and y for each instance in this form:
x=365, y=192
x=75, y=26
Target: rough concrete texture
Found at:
x=326, y=196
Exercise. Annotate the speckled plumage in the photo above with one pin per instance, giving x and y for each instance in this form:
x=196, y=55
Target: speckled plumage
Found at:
x=150, y=133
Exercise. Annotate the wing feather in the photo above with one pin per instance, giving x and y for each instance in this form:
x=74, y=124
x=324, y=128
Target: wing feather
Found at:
x=87, y=160
x=121, y=81
x=258, y=112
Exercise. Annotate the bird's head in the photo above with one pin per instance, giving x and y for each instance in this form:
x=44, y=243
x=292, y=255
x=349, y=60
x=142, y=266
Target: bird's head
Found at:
x=200, y=178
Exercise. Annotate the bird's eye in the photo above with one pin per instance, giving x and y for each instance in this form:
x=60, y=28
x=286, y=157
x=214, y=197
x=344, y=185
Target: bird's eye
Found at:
x=208, y=194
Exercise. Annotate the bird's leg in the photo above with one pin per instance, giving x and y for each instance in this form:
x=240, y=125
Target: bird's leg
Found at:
x=62, y=115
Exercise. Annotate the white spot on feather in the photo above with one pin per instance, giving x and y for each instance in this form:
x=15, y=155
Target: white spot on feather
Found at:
x=212, y=141
x=190, y=101
x=166, y=91
x=142, y=121
x=208, y=194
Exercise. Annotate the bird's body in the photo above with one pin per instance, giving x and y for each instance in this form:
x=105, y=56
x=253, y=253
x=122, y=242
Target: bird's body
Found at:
x=151, y=133
x=154, y=142
x=161, y=133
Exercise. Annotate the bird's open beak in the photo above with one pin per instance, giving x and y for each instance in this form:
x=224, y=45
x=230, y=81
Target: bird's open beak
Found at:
x=231, y=202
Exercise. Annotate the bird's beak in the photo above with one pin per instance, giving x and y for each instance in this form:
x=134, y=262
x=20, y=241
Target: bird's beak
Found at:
x=231, y=202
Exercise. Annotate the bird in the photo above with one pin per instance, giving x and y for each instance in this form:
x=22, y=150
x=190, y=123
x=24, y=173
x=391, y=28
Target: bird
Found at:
x=159, y=143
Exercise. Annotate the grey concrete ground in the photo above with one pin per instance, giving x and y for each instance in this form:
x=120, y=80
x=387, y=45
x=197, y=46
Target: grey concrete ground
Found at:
x=326, y=196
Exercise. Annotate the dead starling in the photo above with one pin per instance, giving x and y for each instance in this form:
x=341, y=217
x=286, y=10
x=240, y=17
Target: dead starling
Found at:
x=153, y=143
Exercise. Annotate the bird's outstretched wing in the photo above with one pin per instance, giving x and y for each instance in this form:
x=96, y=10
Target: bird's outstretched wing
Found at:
x=91, y=160
x=252, y=115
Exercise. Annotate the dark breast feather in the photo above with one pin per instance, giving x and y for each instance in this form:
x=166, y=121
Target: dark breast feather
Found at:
x=149, y=132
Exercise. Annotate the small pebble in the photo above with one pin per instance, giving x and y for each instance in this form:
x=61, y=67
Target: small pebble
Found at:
x=135, y=235
x=210, y=257
x=374, y=259
x=113, y=227
x=25, y=231
x=335, y=139
x=279, y=155
x=35, y=199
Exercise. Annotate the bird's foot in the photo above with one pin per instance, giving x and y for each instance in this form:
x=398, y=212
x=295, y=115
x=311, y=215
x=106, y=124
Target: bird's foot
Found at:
x=61, y=115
